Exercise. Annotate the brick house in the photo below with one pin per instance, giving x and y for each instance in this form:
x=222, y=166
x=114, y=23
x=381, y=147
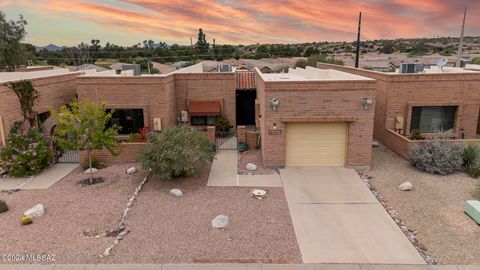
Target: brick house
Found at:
x=427, y=102
x=56, y=87
x=320, y=118
x=330, y=107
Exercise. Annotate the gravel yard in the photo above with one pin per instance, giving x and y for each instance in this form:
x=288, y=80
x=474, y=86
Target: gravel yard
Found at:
x=434, y=208
x=252, y=156
x=163, y=229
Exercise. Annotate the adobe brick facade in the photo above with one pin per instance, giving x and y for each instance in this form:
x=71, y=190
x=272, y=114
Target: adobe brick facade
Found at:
x=128, y=153
x=154, y=94
x=54, y=92
x=396, y=94
x=317, y=101
x=161, y=96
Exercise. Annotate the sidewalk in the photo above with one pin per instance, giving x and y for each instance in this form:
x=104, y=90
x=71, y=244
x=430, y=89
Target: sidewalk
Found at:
x=44, y=180
x=236, y=267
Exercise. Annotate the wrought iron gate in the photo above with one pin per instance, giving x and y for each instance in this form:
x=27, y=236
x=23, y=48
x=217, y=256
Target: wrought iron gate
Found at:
x=226, y=140
x=66, y=156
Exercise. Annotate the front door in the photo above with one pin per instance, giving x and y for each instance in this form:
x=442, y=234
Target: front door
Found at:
x=245, y=102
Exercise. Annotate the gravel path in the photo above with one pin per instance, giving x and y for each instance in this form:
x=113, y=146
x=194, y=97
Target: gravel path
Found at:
x=70, y=208
x=252, y=156
x=163, y=229
x=434, y=208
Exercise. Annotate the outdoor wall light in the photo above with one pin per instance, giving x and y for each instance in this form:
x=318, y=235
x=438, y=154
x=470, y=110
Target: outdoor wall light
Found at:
x=366, y=102
x=274, y=127
x=274, y=104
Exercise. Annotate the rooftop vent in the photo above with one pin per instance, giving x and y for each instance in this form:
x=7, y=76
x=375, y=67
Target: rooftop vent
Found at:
x=224, y=68
x=135, y=67
x=411, y=68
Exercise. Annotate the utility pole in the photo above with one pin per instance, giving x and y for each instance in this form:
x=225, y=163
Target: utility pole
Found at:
x=460, y=44
x=214, y=50
x=193, y=53
x=357, y=56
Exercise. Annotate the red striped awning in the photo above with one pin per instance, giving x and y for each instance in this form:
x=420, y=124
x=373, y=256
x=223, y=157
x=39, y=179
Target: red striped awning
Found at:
x=203, y=108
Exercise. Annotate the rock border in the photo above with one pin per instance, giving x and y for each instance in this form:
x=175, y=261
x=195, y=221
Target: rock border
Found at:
x=121, y=231
x=410, y=234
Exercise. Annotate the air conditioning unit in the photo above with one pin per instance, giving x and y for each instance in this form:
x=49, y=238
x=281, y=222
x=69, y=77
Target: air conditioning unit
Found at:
x=411, y=68
x=184, y=116
x=157, y=124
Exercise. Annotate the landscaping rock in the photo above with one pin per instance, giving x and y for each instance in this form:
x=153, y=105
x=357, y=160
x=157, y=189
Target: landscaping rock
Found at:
x=220, y=222
x=251, y=167
x=131, y=170
x=36, y=211
x=406, y=186
x=93, y=170
x=176, y=192
x=375, y=144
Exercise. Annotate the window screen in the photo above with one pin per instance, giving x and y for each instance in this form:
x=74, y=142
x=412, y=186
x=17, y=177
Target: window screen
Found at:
x=433, y=118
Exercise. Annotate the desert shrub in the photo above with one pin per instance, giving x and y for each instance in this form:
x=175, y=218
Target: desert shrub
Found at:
x=26, y=153
x=221, y=124
x=179, y=151
x=96, y=163
x=437, y=156
x=471, y=160
x=3, y=206
x=416, y=135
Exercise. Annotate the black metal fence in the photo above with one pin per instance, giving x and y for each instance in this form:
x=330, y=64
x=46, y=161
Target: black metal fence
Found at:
x=226, y=140
x=66, y=156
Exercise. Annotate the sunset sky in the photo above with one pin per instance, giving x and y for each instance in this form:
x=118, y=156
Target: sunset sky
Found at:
x=127, y=22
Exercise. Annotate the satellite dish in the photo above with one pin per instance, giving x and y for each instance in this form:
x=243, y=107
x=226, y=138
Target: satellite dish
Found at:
x=441, y=62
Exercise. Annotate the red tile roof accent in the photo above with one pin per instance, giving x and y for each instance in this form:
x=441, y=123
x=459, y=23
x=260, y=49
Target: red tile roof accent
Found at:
x=203, y=107
x=245, y=80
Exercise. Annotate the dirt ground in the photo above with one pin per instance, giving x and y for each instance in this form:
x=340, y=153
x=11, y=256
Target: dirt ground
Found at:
x=163, y=229
x=252, y=156
x=434, y=208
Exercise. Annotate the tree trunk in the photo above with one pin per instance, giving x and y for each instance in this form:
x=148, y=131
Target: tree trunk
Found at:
x=90, y=166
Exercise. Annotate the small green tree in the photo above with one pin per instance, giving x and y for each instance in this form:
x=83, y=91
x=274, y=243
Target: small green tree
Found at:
x=84, y=126
x=202, y=45
x=12, y=51
x=179, y=151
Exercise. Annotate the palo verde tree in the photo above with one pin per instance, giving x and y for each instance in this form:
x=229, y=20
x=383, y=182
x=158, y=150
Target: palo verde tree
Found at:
x=27, y=96
x=84, y=126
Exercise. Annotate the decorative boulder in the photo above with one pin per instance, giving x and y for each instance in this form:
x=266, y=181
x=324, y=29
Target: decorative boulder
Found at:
x=406, y=186
x=375, y=144
x=220, y=222
x=251, y=167
x=36, y=211
x=176, y=192
x=131, y=170
x=93, y=170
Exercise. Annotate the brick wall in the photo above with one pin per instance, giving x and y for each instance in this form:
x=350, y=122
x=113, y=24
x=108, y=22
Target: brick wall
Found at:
x=128, y=153
x=207, y=86
x=309, y=100
x=241, y=134
x=251, y=138
x=397, y=93
x=154, y=94
x=211, y=133
x=54, y=92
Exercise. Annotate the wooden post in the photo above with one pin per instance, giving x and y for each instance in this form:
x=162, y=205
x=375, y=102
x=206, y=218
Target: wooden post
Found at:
x=3, y=138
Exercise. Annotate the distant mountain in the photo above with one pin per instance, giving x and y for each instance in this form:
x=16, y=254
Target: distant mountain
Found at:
x=51, y=48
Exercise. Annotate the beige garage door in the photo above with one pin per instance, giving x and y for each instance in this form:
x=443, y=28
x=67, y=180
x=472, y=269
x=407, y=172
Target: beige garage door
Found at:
x=316, y=144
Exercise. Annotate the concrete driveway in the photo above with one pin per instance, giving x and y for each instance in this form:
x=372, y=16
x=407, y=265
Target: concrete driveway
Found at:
x=338, y=220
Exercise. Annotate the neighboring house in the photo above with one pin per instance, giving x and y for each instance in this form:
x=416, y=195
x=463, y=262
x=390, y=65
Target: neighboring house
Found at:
x=162, y=68
x=431, y=101
x=56, y=87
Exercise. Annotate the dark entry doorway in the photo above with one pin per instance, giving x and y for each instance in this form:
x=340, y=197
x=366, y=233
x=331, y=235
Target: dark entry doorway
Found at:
x=246, y=107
